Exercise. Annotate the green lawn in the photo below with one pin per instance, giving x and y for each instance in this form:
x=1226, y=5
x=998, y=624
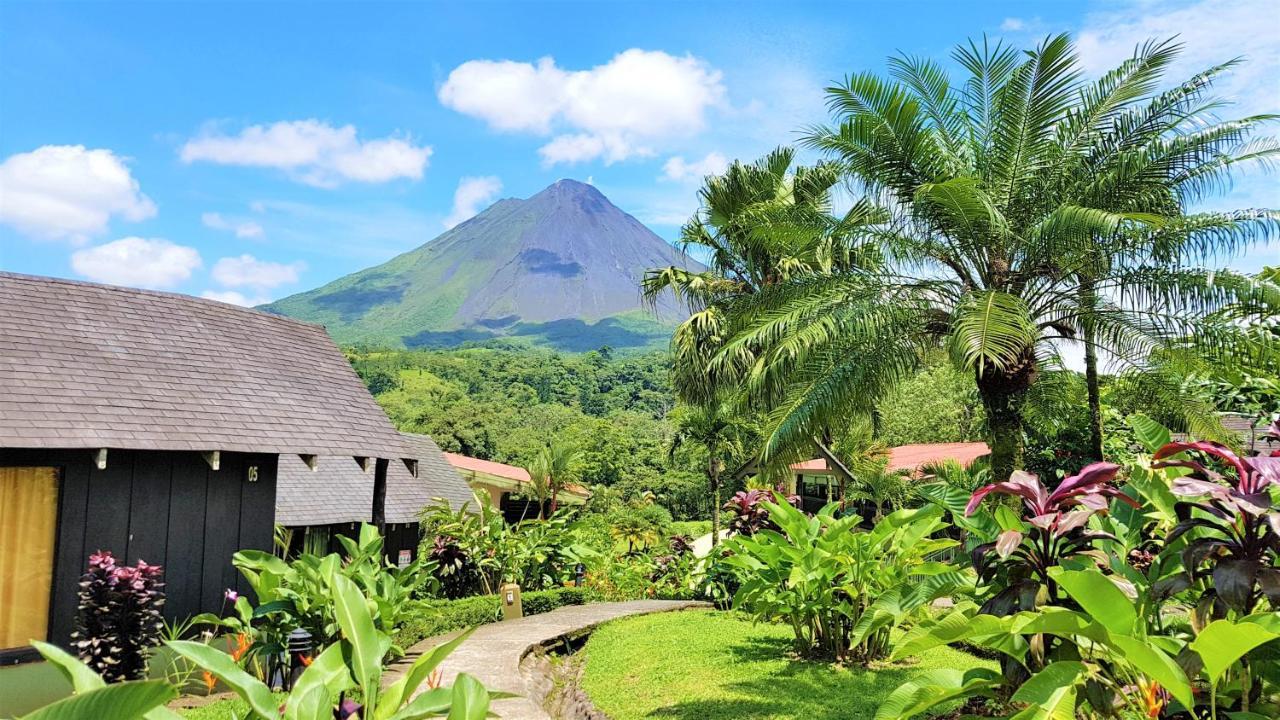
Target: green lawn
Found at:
x=707, y=665
x=228, y=709
x=693, y=528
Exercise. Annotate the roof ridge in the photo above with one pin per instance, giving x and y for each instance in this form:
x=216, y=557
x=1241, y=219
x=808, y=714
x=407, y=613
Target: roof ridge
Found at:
x=184, y=297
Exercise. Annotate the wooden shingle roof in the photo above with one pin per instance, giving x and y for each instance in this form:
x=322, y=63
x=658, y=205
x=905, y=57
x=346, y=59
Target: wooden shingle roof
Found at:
x=95, y=366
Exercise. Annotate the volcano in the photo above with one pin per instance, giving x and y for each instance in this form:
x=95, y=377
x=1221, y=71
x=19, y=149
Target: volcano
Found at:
x=560, y=269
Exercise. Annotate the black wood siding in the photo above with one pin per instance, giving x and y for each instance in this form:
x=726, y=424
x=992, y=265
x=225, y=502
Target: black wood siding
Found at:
x=165, y=508
x=401, y=536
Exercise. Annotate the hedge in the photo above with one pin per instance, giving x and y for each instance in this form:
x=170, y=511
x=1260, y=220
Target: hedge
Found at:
x=441, y=616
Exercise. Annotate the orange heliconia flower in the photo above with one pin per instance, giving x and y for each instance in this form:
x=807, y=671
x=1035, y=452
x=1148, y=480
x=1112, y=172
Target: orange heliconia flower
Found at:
x=434, y=679
x=1154, y=698
x=306, y=660
x=209, y=681
x=243, y=643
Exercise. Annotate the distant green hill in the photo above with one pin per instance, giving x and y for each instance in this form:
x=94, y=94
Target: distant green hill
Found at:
x=560, y=269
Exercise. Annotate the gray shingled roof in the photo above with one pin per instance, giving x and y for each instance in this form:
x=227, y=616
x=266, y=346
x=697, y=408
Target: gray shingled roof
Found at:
x=93, y=366
x=1253, y=434
x=407, y=495
x=338, y=491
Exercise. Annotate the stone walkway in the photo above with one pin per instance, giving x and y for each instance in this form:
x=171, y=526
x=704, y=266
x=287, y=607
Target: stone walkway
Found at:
x=493, y=652
x=702, y=545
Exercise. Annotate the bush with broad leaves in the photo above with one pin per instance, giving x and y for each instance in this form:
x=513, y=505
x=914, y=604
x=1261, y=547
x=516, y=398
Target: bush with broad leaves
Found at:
x=842, y=590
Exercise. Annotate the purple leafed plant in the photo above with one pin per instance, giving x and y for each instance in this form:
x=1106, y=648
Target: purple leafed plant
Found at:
x=1019, y=560
x=749, y=513
x=119, y=618
x=680, y=545
x=453, y=568
x=1238, y=543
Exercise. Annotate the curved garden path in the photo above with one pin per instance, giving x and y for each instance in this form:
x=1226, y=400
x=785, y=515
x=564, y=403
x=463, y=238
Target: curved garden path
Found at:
x=494, y=652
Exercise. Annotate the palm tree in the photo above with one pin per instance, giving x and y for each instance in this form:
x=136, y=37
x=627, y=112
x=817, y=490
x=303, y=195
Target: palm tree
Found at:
x=540, y=480
x=558, y=460
x=1002, y=194
x=758, y=225
x=714, y=426
x=634, y=529
x=882, y=487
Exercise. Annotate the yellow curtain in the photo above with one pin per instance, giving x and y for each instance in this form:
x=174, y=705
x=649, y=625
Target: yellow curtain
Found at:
x=28, y=516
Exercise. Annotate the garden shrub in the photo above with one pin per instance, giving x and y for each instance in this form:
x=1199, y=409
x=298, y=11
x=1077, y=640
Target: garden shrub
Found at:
x=481, y=551
x=436, y=617
x=841, y=591
x=119, y=617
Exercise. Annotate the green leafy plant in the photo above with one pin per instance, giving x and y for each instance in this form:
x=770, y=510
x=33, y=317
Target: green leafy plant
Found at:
x=842, y=591
x=354, y=663
x=538, y=554
x=93, y=698
x=297, y=594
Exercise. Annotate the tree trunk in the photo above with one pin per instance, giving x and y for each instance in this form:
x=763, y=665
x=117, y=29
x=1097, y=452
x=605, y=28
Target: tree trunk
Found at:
x=1004, y=393
x=1090, y=336
x=713, y=473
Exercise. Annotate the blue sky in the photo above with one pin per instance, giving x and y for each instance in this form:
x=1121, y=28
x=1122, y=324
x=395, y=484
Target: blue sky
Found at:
x=248, y=151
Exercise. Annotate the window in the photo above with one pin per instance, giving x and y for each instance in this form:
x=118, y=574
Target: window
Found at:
x=28, y=520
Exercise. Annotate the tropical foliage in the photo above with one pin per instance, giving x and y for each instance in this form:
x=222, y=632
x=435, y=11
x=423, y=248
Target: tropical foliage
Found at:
x=842, y=592
x=1081, y=615
x=350, y=667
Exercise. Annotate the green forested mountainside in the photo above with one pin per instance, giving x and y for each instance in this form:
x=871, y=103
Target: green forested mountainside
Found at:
x=504, y=402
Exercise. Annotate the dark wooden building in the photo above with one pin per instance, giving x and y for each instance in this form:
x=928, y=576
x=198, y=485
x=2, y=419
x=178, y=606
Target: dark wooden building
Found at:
x=152, y=425
x=333, y=495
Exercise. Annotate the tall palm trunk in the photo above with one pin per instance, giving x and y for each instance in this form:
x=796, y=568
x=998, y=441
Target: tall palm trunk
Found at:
x=713, y=474
x=1088, y=300
x=1004, y=395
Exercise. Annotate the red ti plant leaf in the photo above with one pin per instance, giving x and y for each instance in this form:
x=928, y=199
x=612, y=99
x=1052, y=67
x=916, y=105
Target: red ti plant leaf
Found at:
x=1218, y=450
x=1023, y=484
x=1008, y=542
x=1242, y=538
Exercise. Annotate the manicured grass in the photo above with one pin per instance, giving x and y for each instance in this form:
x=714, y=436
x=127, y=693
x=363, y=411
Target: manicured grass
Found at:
x=693, y=528
x=707, y=665
x=225, y=709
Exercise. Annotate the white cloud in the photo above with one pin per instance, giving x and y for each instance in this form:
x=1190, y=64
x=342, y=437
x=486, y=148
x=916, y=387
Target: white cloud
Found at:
x=1212, y=31
x=242, y=229
x=510, y=96
x=137, y=262
x=246, y=271
x=67, y=192
x=312, y=152
x=235, y=298
x=677, y=168
x=472, y=195
x=1012, y=24
x=622, y=109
